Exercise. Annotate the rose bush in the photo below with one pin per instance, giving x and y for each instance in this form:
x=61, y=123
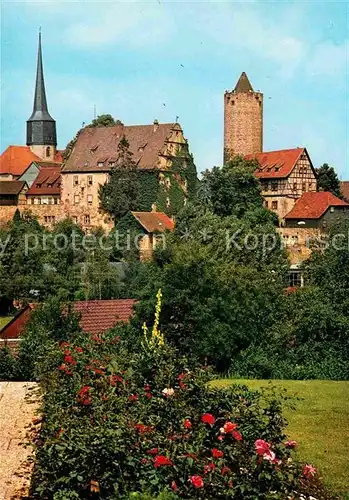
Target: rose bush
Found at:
x=117, y=423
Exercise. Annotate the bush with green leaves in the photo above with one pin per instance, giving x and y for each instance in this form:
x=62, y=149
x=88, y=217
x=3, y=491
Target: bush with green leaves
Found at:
x=118, y=423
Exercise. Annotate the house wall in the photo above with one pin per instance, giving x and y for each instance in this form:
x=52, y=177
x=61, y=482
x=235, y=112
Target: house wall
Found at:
x=331, y=216
x=285, y=192
x=43, y=200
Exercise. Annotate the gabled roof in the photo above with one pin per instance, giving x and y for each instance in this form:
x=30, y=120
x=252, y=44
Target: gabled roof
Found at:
x=14, y=328
x=47, y=182
x=97, y=316
x=345, y=189
x=11, y=187
x=154, y=222
x=276, y=164
x=16, y=159
x=312, y=205
x=243, y=84
x=146, y=142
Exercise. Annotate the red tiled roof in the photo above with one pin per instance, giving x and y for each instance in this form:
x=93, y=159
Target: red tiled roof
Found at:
x=97, y=316
x=15, y=327
x=47, y=182
x=276, y=164
x=58, y=155
x=345, y=189
x=154, y=222
x=312, y=205
x=11, y=187
x=100, y=143
x=16, y=159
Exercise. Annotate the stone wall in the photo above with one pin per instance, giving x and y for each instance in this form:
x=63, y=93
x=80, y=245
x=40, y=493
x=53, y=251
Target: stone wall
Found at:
x=243, y=123
x=48, y=215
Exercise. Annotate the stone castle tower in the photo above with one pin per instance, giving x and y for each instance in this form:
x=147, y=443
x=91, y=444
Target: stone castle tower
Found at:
x=41, y=127
x=243, y=120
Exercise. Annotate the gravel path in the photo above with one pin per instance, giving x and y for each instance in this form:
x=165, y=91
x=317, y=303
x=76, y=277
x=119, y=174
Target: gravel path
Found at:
x=18, y=405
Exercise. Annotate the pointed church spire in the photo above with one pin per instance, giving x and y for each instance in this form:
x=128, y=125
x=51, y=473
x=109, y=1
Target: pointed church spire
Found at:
x=243, y=84
x=44, y=130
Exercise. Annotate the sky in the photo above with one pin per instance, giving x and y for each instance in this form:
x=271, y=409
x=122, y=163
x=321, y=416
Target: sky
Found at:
x=141, y=61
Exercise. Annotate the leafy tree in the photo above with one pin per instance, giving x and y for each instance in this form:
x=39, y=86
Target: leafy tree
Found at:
x=327, y=180
x=122, y=192
x=104, y=121
x=232, y=189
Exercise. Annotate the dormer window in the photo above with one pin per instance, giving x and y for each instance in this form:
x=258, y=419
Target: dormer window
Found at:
x=94, y=148
x=100, y=164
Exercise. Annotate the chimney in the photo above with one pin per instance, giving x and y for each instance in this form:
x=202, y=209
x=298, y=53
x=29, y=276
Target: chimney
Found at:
x=153, y=207
x=156, y=125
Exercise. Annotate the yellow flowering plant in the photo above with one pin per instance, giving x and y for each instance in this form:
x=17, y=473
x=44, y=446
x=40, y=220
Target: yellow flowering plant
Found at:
x=155, y=340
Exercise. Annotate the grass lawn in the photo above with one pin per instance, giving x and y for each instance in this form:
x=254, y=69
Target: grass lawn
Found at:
x=319, y=423
x=4, y=320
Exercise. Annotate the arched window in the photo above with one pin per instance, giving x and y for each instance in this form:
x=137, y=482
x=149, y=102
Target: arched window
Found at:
x=48, y=151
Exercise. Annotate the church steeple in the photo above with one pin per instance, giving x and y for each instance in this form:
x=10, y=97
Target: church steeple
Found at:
x=41, y=127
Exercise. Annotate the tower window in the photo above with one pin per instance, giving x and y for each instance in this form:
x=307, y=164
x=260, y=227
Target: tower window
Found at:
x=48, y=151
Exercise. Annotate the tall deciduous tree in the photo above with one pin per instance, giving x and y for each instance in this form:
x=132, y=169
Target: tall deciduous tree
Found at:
x=327, y=180
x=122, y=192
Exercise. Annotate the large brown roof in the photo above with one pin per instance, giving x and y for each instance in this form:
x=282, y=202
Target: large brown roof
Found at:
x=345, y=189
x=47, y=182
x=16, y=159
x=11, y=187
x=98, y=316
x=99, y=144
x=154, y=222
x=276, y=164
x=312, y=205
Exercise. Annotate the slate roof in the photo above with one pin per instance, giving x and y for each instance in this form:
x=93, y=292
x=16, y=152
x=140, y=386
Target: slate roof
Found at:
x=97, y=316
x=11, y=187
x=276, y=164
x=96, y=144
x=48, y=181
x=345, y=189
x=312, y=205
x=16, y=159
x=154, y=222
x=243, y=84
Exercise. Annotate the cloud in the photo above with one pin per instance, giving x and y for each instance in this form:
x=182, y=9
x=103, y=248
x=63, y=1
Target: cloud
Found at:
x=136, y=24
x=329, y=60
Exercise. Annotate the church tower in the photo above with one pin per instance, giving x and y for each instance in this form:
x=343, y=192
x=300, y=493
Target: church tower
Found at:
x=41, y=127
x=243, y=120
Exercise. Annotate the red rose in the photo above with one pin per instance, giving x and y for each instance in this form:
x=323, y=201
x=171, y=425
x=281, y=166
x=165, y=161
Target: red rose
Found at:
x=133, y=397
x=69, y=359
x=161, y=460
x=78, y=349
x=229, y=427
x=147, y=388
x=187, y=424
x=217, y=453
x=291, y=444
x=207, y=418
x=174, y=486
x=262, y=447
x=153, y=451
x=148, y=395
x=197, y=481
x=237, y=435
x=225, y=470
x=309, y=471
x=209, y=467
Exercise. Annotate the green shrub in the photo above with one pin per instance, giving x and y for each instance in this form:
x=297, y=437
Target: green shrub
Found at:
x=8, y=364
